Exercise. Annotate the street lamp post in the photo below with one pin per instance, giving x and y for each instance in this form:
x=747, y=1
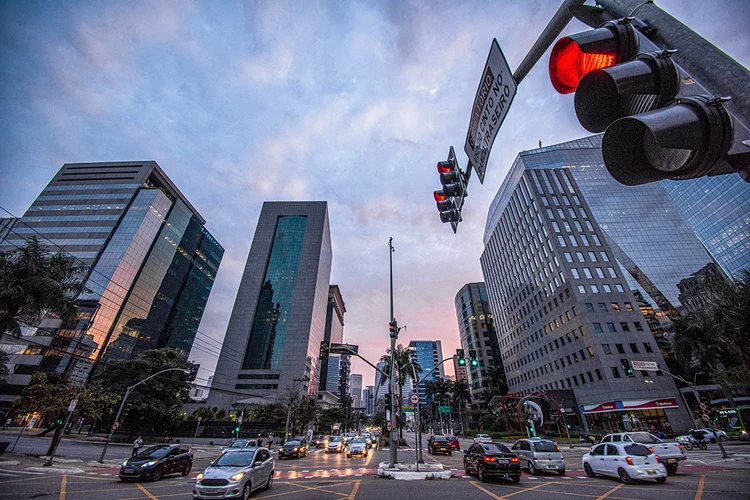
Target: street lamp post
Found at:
x=394, y=336
x=122, y=405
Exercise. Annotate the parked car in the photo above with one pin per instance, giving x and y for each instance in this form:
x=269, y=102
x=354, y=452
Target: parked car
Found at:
x=482, y=438
x=156, y=461
x=356, y=447
x=625, y=460
x=670, y=453
x=236, y=473
x=335, y=445
x=453, y=440
x=293, y=449
x=492, y=460
x=540, y=455
x=439, y=444
x=238, y=444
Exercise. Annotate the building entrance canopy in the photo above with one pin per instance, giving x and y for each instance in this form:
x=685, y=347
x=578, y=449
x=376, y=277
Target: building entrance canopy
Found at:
x=640, y=404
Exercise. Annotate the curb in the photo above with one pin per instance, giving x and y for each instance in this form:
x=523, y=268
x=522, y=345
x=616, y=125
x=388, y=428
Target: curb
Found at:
x=57, y=470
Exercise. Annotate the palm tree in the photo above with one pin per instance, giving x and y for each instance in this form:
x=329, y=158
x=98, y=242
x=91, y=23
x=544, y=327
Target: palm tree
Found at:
x=461, y=395
x=498, y=384
x=406, y=367
x=208, y=413
x=34, y=282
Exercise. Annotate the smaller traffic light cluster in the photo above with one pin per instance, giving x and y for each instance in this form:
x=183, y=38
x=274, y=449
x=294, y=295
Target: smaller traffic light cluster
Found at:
x=473, y=358
x=450, y=199
x=324, y=350
x=627, y=367
x=461, y=357
x=393, y=328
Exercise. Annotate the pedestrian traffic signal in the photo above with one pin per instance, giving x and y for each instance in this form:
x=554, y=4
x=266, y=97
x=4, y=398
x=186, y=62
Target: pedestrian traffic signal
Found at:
x=653, y=128
x=461, y=358
x=324, y=350
x=473, y=358
x=627, y=367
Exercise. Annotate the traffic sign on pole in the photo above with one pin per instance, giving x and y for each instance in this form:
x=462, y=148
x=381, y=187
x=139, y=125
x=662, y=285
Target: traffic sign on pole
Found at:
x=414, y=399
x=496, y=91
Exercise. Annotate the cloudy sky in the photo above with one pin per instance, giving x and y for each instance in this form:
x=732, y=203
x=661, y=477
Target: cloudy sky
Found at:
x=352, y=102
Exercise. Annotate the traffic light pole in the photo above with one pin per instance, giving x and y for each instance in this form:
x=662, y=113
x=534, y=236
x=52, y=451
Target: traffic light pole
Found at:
x=394, y=336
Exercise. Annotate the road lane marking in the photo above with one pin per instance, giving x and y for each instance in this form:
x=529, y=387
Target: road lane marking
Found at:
x=486, y=490
x=353, y=494
x=699, y=493
x=298, y=485
x=524, y=490
x=610, y=491
x=148, y=494
x=63, y=482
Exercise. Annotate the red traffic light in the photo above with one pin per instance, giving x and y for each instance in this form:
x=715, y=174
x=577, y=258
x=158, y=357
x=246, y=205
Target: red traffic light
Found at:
x=439, y=196
x=445, y=167
x=574, y=56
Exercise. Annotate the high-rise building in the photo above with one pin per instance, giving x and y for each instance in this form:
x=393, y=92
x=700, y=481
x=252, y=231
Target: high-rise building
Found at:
x=477, y=330
x=356, y=390
x=368, y=397
x=566, y=246
x=332, y=375
x=428, y=354
x=334, y=333
x=273, y=338
x=381, y=386
x=150, y=266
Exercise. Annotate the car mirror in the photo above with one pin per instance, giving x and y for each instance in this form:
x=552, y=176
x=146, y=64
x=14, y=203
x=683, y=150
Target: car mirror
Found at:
x=257, y=463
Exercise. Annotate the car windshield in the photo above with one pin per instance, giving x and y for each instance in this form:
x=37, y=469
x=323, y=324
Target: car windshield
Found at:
x=235, y=459
x=291, y=443
x=358, y=440
x=156, y=451
x=240, y=444
x=495, y=449
x=440, y=438
x=547, y=446
x=643, y=437
x=483, y=435
x=335, y=440
x=638, y=450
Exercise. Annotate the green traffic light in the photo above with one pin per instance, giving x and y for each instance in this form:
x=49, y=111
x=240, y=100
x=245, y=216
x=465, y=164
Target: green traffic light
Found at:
x=461, y=362
x=474, y=363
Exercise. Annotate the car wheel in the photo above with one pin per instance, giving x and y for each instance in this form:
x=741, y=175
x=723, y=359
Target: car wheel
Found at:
x=561, y=472
x=450, y=453
x=270, y=482
x=713, y=440
x=186, y=470
x=661, y=479
x=624, y=476
x=671, y=468
x=480, y=474
x=281, y=458
x=589, y=470
x=246, y=491
x=722, y=438
x=516, y=479
x=532, y=469
x=466, y=468
x=158, y=474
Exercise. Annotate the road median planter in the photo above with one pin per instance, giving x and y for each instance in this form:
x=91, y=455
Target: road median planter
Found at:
x=408, y=471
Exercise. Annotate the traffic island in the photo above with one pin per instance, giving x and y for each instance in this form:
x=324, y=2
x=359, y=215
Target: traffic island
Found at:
x=408, y=471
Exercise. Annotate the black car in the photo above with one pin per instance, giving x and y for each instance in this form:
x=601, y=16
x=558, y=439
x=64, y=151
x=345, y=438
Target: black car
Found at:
x=295, y=449
x=439, y=444
x=155, y=461
x=492, y=460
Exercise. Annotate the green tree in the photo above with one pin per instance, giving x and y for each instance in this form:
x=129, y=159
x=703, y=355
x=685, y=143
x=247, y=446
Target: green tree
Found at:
x=35, y=282
x=406, y=366
x=461, y=398
x=209, y=413
x=498, y=384
x=156, y=405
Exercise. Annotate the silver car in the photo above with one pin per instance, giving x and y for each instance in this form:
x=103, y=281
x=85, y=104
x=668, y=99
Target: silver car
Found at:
x=236, y=474
x=539, y=455
x=357, y=446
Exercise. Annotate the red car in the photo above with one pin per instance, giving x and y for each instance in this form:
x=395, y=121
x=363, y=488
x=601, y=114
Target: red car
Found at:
x=453, y=440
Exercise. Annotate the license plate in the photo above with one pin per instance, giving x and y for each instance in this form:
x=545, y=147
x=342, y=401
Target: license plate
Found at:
x=503, y=461
x=651, y=471
x=212, y=493
x=671, y=460
x=128, y=471
x=552, y=466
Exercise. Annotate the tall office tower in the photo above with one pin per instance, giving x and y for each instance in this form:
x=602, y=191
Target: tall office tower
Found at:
x=477, y=329
x=565, y=247
x=381, y=386
x=273, y=338
x=356, y=390
x=428, y=353
x=331, y=382
x=718, y=210
x=334, y=332
x=459, y=370
x=368, y=399
x=150, y=266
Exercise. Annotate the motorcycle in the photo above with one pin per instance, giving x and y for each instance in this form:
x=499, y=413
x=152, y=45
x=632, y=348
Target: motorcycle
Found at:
x=690, y=442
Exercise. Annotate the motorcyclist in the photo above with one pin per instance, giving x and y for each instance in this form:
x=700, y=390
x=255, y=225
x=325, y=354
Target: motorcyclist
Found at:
x=697, y=436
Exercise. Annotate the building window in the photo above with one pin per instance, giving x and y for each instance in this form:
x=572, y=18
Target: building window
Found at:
x=587, y=272
x=589, y=307
x=628, y=306
x=620, y=348
x=606, y=349
x=573, y=241
x=592, y=256
x=596, y=240
x=550, y=214
x=579, y=255
x=602, y=306
x=599, y=272
x=585, y=240
x=574, y=272
x=594, y=289
x=604, y=256
x=581, y=289
x=561, y=241
x=612, y=273
x=615, y=306
x=591, y=377
x=607, y=288
x=624, y=326
x=556, y=226
x=611, y=327
x=598, y=327
x=598, y=374
x=615, y=372
x=568, y=257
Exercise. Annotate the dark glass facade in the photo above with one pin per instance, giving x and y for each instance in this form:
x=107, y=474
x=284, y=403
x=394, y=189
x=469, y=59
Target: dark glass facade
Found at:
x=428, y=353
x=268, y=334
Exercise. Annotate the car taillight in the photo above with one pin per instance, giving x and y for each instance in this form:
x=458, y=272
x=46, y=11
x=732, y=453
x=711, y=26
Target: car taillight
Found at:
x=514, y=459
x=680, y=446
x=651, y=449
x=658, y=459
x=629, y=460
x=489, y=459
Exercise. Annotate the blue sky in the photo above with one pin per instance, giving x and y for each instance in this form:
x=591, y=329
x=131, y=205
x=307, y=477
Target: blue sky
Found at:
x=345, y=101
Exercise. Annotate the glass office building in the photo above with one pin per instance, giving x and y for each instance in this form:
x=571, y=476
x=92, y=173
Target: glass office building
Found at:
x=279, y=315
x=566, y=246
x=428, y=353
x=150, y=266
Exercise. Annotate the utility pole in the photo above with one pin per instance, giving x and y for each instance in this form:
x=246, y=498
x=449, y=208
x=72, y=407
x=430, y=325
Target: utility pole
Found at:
x=394, y=337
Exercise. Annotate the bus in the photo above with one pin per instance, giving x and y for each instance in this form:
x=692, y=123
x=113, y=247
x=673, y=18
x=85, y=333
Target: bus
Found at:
x=735, y=421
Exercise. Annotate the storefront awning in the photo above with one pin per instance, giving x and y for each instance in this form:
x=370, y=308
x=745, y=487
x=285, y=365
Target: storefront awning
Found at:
x=640, y=404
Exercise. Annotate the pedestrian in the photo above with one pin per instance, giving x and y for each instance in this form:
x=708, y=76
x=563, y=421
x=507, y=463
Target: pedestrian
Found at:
x=7, y=424
x=260, y=439
x=662, y=435
x=137, y=445
x=270, y=441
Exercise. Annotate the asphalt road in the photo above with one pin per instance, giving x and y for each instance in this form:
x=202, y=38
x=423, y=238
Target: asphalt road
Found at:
x=705, y=475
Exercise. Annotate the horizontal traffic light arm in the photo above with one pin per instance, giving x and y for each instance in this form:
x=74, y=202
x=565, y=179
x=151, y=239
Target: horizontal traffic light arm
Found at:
x=352, y=350
x=435, y=368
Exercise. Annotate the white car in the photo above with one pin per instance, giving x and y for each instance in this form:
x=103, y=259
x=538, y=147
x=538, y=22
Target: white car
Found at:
x=482, y=438
x=628, y=461
x=710, y=435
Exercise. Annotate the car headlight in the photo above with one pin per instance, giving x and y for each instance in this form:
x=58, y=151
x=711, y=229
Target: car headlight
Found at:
x=199, y=477
x=124, y=463
x=296, y=449
x=149, y=463
x=237, y=477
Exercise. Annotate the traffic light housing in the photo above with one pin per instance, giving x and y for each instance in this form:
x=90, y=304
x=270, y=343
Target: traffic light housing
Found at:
x=324, y=350
x=192, y=371
x=627, y=367
x=450, y=199
x=461, y=358
x=473, y=358
x=387, y=399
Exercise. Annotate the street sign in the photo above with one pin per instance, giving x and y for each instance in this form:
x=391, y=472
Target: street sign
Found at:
x=705, y=417
x=444, y=409
x=72, y=405
x=649, y=366
x=414, y=399
x=408, y=409
x=343, y=348
x=496, y=91
x=115, y=426
x=388, y=426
